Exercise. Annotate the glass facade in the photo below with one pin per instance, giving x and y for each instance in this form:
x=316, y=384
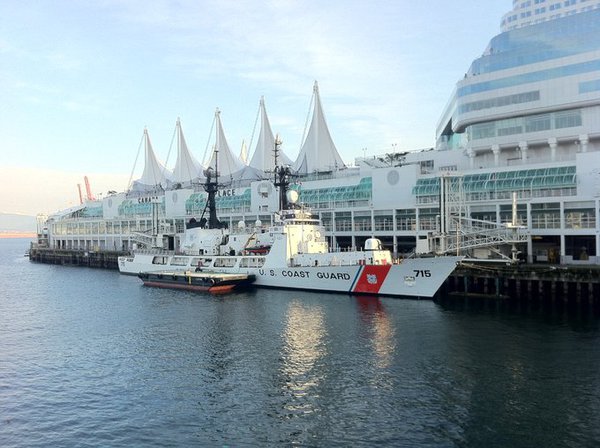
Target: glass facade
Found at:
x=566, y=36
x=225, y=204
x=345, y=196
x=525, y=78
x=499, y=185
x=92, y=212
x=133, y=207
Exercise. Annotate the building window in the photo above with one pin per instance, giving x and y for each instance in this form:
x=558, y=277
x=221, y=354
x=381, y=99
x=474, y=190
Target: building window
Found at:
x=426, y=166
x=480, y=131
x=589, y=86
x=567, y=119
x=538, y=123
x=449, y=168
x=406, y=219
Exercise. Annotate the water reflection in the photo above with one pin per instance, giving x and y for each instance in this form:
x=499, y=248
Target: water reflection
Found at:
x=304, y=345
x=380, y=329
x=581, y=317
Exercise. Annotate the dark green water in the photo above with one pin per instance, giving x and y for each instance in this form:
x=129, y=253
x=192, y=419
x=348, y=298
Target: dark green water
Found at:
x=92, y=358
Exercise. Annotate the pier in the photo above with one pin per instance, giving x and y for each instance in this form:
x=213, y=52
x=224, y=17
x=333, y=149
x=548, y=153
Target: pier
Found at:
x=557, y=283
x=68, y=257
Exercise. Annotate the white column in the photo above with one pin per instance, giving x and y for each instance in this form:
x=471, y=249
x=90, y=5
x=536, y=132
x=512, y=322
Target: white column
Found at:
x=496, y=151
x=584, y=140
x=553, y=145
x=523, y=147
x=471, y=155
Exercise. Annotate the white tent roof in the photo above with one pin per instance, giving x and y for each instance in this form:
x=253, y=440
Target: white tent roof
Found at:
x=187, y=168
x=155, y=174
x=244, y=153
x=263, y=158
x=318, y=153
x=228, y=164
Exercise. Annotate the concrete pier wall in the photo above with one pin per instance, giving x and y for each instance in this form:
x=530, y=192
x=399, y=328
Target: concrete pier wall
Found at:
x=92, y=259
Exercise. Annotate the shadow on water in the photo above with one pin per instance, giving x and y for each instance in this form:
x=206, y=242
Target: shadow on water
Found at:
x=581, y=317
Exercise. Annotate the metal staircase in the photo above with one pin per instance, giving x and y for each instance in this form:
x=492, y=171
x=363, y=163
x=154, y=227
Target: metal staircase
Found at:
x=144, y=239
x=459, y=234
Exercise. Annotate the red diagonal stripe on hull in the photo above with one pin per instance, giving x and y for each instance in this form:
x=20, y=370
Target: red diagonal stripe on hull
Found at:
x=372, y=278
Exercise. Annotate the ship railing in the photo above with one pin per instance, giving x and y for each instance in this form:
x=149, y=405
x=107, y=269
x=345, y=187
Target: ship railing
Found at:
x=156, y=251
x=502, y=236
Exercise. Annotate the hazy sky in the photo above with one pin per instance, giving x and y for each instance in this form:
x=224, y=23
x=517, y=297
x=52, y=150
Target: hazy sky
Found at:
x=79, y=80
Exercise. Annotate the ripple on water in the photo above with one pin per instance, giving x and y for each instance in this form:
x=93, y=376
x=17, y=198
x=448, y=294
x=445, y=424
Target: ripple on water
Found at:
x=91, y=358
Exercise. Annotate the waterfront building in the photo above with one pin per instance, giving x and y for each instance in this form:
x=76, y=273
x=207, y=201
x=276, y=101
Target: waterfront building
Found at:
x=524, y=118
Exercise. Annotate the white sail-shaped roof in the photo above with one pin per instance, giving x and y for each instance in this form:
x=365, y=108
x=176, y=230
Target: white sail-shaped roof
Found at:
x=318, y=153
x=187, y=168
x=263, y=158
x=244, y=153
x=229, y=166
x=155, y=174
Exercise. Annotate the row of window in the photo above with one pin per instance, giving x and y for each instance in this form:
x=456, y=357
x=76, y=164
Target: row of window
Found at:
x=406, y=220
x=541, y=10
x=525, y=78
x=556, y=5
x=520, y=125
x=500, y=101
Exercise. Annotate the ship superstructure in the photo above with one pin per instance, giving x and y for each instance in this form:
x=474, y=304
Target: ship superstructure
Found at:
x=524, y=119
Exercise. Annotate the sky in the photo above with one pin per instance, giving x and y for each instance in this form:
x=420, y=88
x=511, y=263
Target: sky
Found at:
x=80, y=80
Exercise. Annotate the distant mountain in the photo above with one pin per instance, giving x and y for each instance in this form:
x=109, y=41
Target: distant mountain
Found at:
x=10, y=222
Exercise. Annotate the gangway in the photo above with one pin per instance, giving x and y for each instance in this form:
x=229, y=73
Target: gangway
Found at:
x=459, y=234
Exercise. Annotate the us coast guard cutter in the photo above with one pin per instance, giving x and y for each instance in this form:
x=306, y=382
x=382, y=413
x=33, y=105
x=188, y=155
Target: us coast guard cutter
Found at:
x=293, y=253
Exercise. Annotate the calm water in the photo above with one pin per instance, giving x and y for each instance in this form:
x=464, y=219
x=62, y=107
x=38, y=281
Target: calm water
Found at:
x=91, y=358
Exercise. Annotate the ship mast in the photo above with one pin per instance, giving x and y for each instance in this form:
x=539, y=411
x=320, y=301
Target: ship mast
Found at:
x=211, y=187
x=282, y=177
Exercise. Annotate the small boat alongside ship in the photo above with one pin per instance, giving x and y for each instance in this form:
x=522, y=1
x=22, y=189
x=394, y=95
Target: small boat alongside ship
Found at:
x=212, y=282
x=293, y=253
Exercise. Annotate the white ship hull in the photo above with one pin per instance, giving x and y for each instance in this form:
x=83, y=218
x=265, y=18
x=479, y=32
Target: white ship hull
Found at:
x=418, y=277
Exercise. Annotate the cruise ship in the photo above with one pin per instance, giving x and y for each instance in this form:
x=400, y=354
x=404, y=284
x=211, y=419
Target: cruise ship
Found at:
x=518, y=142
